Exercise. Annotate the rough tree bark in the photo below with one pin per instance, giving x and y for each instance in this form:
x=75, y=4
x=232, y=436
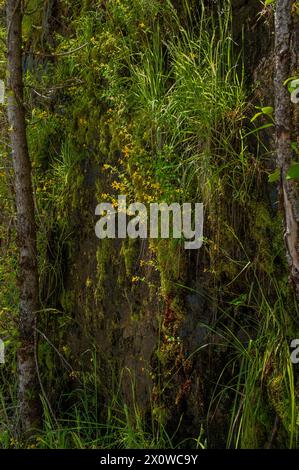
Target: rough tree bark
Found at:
x=286, y=56
x=26, y=228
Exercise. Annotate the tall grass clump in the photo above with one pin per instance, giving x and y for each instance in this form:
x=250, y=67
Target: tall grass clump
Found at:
x=263, y=380
x=188, y=96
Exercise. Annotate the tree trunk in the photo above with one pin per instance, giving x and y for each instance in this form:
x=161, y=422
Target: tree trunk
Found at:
x=26, y=228
x=285, y=67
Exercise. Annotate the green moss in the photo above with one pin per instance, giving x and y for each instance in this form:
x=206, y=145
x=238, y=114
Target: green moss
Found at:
x=68, y=301
x=171, y=265
x=103, y=258
x=129, y=252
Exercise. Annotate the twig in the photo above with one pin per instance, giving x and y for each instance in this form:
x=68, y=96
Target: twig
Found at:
x=60, y=54
x=55, y=349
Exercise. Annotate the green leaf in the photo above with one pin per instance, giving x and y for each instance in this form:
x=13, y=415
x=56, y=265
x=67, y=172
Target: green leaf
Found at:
x=265, y=126
x=256, y=116
x=267, y=110
x=290, y=79
x=293, y=172
x=268, y=2
x=273, y=177
x=241, y=300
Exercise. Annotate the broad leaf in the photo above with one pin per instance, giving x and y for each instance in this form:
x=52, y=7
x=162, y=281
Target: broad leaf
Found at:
x=273, y=177
x=267, y=110
x=293, y=172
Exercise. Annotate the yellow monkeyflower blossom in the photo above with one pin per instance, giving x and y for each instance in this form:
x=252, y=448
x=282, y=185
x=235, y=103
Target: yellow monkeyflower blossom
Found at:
x=126, y=151
x=116, y=185
x=106, y=166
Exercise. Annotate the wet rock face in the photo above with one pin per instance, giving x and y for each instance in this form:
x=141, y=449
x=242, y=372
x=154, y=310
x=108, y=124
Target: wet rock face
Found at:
x=253, y=30
x=124, y=325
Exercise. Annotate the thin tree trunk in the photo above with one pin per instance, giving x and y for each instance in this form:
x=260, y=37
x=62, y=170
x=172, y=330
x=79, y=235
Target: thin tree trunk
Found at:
x=26, y=228
x=286, y=63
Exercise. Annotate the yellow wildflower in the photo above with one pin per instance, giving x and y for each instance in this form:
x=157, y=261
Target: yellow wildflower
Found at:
x=126, y=151
x=116, y=185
